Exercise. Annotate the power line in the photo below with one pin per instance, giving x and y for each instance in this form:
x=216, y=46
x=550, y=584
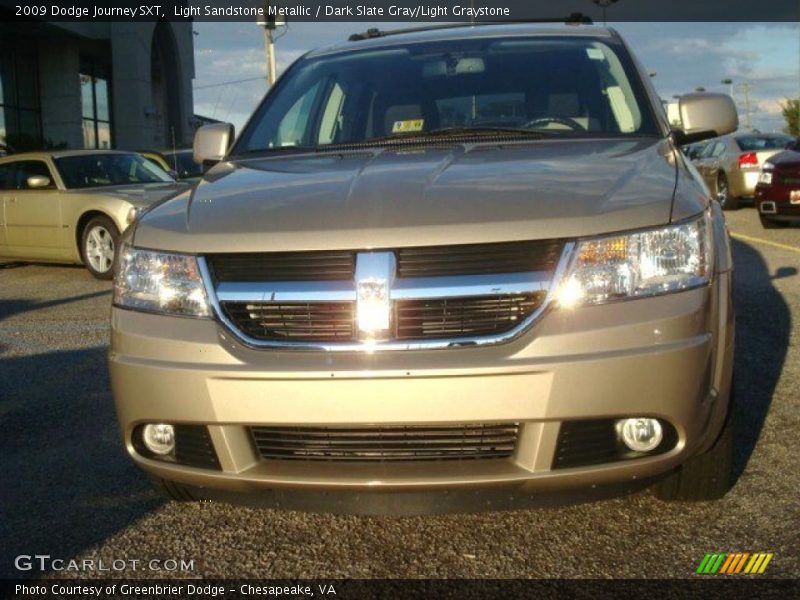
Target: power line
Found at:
x=213, y=85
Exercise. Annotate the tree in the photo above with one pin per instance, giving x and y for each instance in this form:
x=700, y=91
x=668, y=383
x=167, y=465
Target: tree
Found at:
x=791, y=113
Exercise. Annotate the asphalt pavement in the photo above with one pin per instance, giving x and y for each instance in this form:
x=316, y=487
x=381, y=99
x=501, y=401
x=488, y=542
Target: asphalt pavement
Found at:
x=68, y=489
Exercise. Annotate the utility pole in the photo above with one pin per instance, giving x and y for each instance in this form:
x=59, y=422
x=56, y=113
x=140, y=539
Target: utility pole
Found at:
x=269, y=45
x=746, y=87
x=604, y=4
x=270, y=22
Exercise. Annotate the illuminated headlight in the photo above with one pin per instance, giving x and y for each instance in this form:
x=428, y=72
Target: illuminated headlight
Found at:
x=158, y=282
x=645, y=263
x=765, y=178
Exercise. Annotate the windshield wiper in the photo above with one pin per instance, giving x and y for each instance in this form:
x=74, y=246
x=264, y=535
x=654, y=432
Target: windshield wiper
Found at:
x=465, y=132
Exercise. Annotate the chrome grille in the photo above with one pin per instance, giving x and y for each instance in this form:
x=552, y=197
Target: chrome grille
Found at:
x=299, y=321
x=439, y=297
x=457, y=317
x=414, y=319
x=386, y=444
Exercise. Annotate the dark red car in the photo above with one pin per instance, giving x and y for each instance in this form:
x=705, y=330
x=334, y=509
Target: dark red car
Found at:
x=778, y=190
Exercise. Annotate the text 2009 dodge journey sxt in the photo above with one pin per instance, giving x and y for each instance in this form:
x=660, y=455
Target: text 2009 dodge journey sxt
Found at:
x=436, y=267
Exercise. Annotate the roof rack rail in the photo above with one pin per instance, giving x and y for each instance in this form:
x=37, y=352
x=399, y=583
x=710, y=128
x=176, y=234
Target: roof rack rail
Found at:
x=575, y=18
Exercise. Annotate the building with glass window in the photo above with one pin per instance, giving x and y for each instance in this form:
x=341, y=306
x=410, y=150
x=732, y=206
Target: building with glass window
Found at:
x=96, y=85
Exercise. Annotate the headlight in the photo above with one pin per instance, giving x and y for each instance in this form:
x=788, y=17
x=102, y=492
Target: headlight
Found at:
x=159, y=282
x=645, y=263
x=765, y=177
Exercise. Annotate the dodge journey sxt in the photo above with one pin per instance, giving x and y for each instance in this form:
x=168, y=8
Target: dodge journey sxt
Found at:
x=436, y=265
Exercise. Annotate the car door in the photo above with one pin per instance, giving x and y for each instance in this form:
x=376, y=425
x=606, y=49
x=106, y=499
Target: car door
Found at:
x=33, y=216
x=715, y=163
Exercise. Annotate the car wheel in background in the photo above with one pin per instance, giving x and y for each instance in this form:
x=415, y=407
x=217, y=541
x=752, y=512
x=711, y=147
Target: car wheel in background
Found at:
x=726, y=200
x=99, y=243
x=707, y=476
x=768, y=223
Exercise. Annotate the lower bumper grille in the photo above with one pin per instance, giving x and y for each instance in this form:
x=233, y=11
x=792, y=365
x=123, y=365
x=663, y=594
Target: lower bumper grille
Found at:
x=386, y=444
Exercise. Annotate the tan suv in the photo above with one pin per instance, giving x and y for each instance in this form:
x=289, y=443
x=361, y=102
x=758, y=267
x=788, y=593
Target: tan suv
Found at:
x=437, y=269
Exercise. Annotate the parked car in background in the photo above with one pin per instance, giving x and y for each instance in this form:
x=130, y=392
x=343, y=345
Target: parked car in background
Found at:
x=461, y=261
x=778, y=189
x=72, y=206
x=179, y=163
x=730, y=165
x=693, y=151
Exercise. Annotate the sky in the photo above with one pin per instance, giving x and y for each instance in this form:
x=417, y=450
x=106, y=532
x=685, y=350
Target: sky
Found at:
x=683, y=56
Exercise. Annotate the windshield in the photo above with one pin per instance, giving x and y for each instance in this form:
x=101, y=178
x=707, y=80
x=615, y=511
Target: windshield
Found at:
x=569, y=86
x=752, y=143
x=99, y=170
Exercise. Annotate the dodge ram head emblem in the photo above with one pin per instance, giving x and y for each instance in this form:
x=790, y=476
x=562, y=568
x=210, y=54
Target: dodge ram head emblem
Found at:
x=374, y=277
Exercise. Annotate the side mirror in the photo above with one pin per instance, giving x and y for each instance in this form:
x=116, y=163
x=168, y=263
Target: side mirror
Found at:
x=705, y=116
x=37, y=182
x=211, y=143
x=174, y=174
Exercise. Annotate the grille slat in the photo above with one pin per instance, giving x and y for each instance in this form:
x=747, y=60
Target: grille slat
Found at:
x=420, y=443
x=479, y=259
x=303, y=321
x=444, y=317
x=283, y=266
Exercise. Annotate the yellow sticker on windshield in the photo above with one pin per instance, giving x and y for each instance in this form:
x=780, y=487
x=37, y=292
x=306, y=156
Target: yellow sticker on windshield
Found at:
x=408, y=126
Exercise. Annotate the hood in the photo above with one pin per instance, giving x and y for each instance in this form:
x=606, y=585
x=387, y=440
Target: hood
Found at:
x=424, y=195
x=141, y=195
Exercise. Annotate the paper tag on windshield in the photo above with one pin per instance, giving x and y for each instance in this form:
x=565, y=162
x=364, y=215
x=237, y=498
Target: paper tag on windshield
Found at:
x=408, y=126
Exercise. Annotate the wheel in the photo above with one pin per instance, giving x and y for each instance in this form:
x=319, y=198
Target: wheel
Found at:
x=172, y=490
x=726, y=200
x=768, y=223
x=706, y=476
x=99, y=243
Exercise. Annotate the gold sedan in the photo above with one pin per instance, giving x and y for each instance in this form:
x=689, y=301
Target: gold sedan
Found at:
x=731, y=164
x=72, y=206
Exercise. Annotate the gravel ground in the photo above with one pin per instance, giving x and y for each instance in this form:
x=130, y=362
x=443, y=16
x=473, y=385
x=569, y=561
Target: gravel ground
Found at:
x=69, y=491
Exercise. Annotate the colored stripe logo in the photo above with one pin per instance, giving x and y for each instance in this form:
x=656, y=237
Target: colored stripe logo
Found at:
x=734, y=564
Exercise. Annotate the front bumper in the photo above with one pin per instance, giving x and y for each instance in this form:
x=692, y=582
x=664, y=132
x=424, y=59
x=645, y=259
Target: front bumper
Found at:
x=667, y=357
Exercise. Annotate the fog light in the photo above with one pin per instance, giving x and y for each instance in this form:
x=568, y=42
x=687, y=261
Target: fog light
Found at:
x=640, y=434
x=159, y=438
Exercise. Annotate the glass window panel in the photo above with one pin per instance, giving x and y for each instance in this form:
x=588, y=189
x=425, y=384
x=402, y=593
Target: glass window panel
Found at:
x=89, y=139
x=103, y=136
x=101, y=97
x=30, y=131
x=87, y=102
x=2, y=125
x=27, y=92
x=7, y=94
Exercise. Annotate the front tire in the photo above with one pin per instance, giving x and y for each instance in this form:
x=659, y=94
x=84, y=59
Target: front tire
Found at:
x=768, y=223
x=706, y=476
x=99, y=243
x=726, y=200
